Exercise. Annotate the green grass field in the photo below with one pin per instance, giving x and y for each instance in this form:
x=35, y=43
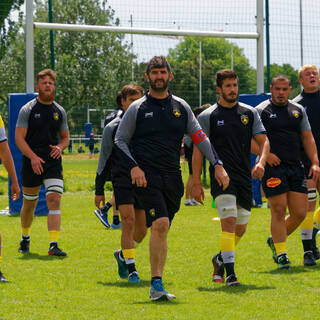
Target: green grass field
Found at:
x=85, y=285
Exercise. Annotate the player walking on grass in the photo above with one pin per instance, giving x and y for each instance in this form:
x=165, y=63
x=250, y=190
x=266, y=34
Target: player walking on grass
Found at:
x=284, y=181
x=309, y=98
x=150, y=135
x=230, y=125
x=109, y=168
x=6, y=158
x=40, y=122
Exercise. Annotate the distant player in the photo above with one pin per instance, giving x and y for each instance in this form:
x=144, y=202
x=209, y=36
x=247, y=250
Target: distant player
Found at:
x=41, y=135
x=309, y=98
x=230, y=126
x=6, y=158
x=284, y=181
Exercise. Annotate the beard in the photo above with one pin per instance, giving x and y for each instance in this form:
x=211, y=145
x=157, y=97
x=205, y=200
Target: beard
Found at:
x=159, y=85
x=46, y=96
x=228, y=99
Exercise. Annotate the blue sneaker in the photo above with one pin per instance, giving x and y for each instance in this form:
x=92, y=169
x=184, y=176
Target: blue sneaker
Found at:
x=133, y=277
x=122, y=268
x=116, y=226
x=157, y=292
x=102, y=215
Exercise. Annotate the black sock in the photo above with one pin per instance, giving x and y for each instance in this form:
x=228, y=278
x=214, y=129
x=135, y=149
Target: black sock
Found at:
x=229, y=268
x=155, y=278
x=314, y=234
x=27, y=238
x=307, y=245
x=131, y=268
x=116, y=220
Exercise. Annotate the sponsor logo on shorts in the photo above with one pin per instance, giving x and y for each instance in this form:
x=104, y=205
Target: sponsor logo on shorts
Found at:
x=273, y=182
x=244, y=119
x=152, y=212
x=55, y=116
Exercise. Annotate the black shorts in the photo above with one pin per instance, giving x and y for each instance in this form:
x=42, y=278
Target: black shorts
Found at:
x=188, y=151
x=242, y=192
x=162, y=196
x=124, y=192
x=283, y=178
x=52, y=169
x=306, y=168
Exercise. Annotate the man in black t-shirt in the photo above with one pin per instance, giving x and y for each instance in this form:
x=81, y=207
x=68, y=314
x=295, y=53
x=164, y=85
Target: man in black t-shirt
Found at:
x=309, y=98
x=284, y=181
x=230, y=125
x=41, y=135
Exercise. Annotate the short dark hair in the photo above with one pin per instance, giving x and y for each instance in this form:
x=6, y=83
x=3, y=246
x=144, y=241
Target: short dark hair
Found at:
x=130, y=90
x=118, y=99
x=158, y=62
x=225, y=74
x=198, y=110
x=47, y=72
x=280, y=77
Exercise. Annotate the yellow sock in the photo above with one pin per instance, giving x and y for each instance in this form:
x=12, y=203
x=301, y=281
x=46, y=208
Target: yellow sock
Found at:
x=26, y=231
x=128, y=253
x=236, y=240
x=316, y=218
x=280, y=247
x=227, y=242
x=54, y=235
x=307, y=223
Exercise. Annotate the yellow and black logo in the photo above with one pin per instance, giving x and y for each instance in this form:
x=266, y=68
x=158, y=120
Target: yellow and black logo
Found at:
x=152, y=212
x=176, y=111
x=296, y=114
x=56, y=116
x=244, y=119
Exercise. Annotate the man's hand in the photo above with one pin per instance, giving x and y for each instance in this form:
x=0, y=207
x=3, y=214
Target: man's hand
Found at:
x=36, y=164
x=15, y=191
x=221, y=176
x=257, y=171
x=99, y=201
x=138, y=177
x=197, y=192
x=55, y=152
x=315, y=173
x=273, y=160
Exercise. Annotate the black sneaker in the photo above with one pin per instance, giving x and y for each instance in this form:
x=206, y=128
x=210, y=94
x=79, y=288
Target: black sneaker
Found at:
x=218, y=268
x=55, y=251
x=283, y=261
x=24, y=246
x=273, y=249
x=316, y=253
x=308, y=259
x=2, y=278
x=232, y=281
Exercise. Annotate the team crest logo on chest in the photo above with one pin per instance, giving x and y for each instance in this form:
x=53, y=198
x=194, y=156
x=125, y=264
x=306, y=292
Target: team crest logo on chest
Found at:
x=176, y=111
x=244, y=119
x=296, y=114
x=56, y=116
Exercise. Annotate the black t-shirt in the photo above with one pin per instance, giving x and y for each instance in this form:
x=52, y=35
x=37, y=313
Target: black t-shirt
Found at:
x=284, y=125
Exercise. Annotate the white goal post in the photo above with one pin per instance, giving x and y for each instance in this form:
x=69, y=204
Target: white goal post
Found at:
x=30, y=25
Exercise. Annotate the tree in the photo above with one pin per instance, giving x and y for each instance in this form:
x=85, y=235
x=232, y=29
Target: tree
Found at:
x=216, y=55
x=90, y=66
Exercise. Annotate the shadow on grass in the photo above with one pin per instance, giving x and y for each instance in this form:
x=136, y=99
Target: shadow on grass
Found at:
x=235, y=289
x=36, y=256
x=173, y=302
x=294, y=269
x=125, y=284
